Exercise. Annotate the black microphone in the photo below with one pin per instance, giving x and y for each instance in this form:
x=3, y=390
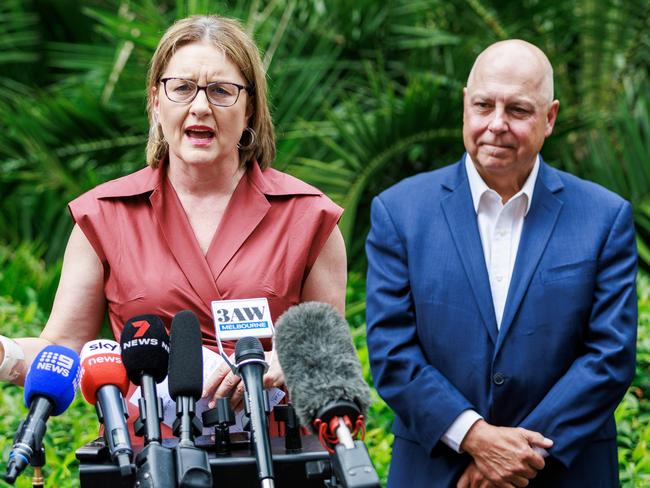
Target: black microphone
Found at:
x=145, y=354
x=326, y=386
x=250, y=364
x=50, y=387
x=185, y=386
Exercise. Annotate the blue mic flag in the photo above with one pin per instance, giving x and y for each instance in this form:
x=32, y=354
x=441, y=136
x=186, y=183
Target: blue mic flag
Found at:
x=54, y=374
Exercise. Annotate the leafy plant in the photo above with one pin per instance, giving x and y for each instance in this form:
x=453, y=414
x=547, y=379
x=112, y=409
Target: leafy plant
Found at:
x=633, y=414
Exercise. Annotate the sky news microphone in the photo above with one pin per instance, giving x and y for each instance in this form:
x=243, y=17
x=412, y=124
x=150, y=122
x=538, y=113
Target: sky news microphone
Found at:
x=185, y=383
x=50, y=387
x=104, y=383
x=326, y=386
x=250, y=365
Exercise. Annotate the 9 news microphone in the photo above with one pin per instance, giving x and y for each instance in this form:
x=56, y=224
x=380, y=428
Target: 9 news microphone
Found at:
x=104, y=383
x=250, y=365
x=185, y=386
x=145, y=354
x=49, y=389
x=326, y=386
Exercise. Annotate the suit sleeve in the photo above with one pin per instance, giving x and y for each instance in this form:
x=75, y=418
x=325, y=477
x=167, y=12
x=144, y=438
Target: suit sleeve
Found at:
x=423, y=399
x=585, y=397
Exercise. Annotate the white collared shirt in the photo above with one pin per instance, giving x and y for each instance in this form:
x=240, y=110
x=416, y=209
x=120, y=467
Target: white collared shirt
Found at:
x=500, y=227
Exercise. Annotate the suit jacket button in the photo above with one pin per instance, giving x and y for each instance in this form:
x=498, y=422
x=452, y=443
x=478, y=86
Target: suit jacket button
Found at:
x=499, y=379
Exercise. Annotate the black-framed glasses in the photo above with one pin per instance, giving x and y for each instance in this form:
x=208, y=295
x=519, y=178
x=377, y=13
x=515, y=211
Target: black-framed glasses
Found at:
x=219, y=93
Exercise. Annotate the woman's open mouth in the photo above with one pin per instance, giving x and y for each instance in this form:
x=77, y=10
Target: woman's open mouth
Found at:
x=200, y=136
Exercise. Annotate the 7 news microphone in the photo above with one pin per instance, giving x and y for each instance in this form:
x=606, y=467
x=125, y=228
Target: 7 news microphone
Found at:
x=49, y=389
x=185, y=386
x=250, y=365
x=145, y=354
x=326, y=386
x=104, y=383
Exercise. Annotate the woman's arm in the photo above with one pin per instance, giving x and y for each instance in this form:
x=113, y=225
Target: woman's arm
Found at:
x=328, y=277
x=325, y=283
x=78, y=308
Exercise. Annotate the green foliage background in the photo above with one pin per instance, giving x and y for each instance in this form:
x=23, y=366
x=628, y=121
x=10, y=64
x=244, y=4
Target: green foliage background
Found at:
x=363, y=93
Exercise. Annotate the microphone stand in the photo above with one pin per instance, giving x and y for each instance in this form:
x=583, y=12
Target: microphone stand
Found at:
x=37, y=462
x=287, y=414
x=221, y=417
x=155, y=463
x=192, y=465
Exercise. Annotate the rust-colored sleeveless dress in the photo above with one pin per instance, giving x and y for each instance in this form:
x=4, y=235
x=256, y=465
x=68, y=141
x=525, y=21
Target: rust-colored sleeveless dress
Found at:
x=270, y=235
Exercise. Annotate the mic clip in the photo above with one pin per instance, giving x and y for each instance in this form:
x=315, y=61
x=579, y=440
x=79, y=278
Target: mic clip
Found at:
x=221, y=417
x=342, y=416
x=100, y=412
x=287, y=414
x=140, y=422
x=195, y=423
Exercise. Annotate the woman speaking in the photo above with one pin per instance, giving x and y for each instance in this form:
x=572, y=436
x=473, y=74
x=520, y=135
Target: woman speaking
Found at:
x=206, y=219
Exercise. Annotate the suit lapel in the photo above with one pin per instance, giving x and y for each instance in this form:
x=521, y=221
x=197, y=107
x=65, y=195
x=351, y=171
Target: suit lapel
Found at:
x=461, y=219
x=537, y=230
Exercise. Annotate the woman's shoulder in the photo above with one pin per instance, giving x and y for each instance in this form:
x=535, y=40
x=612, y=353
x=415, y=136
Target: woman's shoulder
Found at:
x=139, y=182
x=274, y=183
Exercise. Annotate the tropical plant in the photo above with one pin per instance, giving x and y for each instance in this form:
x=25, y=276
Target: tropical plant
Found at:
x=633, y=414
x=618, y=151
x=362, y=93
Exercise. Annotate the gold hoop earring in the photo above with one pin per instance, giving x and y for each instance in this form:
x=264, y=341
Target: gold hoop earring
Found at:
x=250, y=143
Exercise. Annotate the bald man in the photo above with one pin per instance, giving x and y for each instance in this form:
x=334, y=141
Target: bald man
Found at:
x=501, y=301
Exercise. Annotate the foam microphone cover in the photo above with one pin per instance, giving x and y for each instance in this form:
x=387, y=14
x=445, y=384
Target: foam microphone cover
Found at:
x=185, y=356
x=145, y=348
x=319, y=361
x=101, y=365
x=53, y=374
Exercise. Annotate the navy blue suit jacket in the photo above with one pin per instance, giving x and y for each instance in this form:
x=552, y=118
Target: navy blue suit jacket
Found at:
x=565, y=352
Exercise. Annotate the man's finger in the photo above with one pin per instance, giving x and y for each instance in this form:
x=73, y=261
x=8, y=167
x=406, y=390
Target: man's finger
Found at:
x=536, y=461
x=463, y=482
x=520, y=481
x=537, y=439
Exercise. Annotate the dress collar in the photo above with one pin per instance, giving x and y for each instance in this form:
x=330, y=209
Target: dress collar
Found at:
x=270, y=182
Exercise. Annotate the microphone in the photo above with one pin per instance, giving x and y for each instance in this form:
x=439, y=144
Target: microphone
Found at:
x=49, y=390
x=185, y=383
x=326, y=386
x=250, y=365
x=145, y=354
x=104, y=383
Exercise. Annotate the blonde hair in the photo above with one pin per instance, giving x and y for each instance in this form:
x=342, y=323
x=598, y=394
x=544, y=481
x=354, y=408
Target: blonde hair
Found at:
x=229, y=36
